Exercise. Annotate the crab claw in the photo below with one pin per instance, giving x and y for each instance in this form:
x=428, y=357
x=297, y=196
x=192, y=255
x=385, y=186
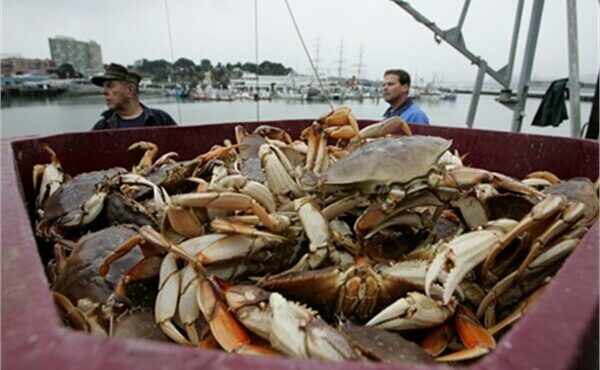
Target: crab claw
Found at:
x=462, y=254
x=226, y=329
x=477, y=340
x=297, y=331
x=416, y=311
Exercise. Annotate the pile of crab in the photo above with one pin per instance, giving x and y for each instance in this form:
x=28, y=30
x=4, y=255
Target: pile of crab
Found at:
x=344, y=244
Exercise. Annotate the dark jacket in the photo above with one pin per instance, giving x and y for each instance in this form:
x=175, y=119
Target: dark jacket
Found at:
x=553, y=110
x=152, y=117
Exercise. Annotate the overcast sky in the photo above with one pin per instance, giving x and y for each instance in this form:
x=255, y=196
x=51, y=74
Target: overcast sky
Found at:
x=223, y=31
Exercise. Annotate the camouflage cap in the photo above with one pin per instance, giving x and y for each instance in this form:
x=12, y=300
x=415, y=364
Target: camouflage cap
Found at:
x=116, y=72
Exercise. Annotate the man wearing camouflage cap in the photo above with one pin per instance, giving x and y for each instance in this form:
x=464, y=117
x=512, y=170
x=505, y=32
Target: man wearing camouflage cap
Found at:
x=120, y=88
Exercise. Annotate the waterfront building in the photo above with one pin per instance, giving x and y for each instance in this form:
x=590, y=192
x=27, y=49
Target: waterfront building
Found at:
x=85, y=57
x=18, y=66
x=267, y=85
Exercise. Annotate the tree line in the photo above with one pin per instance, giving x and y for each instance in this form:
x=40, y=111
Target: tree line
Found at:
x=185, y=71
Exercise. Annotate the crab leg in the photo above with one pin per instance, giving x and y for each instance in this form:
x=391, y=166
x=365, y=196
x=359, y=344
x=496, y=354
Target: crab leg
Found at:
x=537, y=266
x=145, y=165
x=540, y=213
x=168, y=294
x=572, y=213
x=52, y=176
x=277, y=170
x=318, y=232
x=231, y=202
x=519, y=311
x=386, y=127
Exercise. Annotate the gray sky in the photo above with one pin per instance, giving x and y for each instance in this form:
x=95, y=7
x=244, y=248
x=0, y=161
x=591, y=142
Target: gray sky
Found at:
x=223, y=31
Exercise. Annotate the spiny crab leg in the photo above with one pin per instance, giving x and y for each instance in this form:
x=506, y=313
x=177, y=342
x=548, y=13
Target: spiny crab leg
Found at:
x=541, y=212
x=535, y=267
x=570, y=215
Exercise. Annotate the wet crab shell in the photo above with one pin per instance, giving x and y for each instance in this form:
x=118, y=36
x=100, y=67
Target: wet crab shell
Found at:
x=80, y=276
x=65, y=207
x=395, y=160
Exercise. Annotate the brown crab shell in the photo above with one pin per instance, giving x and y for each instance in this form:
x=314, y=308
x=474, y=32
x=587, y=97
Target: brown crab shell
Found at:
x=394, y=160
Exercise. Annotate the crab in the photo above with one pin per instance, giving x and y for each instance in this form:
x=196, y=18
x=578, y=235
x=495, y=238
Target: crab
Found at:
x=290, y=327
x=80, y=200
x=550, y=222
x=227, y=256
x=76, y=202
x=408, y=171
x=355, y=291
x=191, y=291
x=47, y=178
x=78, y=276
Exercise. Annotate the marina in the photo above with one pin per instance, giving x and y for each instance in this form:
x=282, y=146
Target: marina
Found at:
x=23, y=117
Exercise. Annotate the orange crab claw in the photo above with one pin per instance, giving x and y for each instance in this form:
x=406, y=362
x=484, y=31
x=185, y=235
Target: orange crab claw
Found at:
x=470, y=331
x=477, y=340
x=226, y=329
x=437, y=340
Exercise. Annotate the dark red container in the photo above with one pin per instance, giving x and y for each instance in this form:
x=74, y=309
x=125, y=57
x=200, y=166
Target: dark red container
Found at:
x=560, y=331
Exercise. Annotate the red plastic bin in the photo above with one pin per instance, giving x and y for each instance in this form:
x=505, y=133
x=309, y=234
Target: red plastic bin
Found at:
x=559, y=332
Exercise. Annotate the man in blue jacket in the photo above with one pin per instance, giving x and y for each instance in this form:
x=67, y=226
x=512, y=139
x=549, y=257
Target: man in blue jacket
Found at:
x=120, y=88
x=396, y=84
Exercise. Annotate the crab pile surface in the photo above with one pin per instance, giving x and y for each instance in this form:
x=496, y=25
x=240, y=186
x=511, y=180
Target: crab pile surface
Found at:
x=342, y=244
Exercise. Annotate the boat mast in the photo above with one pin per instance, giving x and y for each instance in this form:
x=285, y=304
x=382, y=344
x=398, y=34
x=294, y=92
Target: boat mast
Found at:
x=341, y=60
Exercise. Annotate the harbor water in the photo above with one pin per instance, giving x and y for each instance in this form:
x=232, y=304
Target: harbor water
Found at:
x=71, y=114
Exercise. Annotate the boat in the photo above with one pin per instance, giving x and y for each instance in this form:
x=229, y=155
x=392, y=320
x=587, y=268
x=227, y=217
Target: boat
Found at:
x=33, y=87
x=33, y=337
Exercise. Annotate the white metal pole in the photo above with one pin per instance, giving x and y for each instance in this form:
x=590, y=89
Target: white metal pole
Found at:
x=574, y=96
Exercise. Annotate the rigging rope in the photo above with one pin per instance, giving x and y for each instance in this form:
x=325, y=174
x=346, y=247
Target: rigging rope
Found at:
x=257, y=96
x=308, y=55
x=172, y=55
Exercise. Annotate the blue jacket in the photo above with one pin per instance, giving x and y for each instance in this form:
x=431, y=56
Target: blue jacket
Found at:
x=408, y=111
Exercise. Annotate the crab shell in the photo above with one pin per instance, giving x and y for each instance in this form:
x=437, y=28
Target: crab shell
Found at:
x=80, y=276
x=382, y=162
x=79, y=200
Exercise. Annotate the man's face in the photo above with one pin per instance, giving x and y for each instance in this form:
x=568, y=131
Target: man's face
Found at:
x=117, y=93
x=392, y=89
